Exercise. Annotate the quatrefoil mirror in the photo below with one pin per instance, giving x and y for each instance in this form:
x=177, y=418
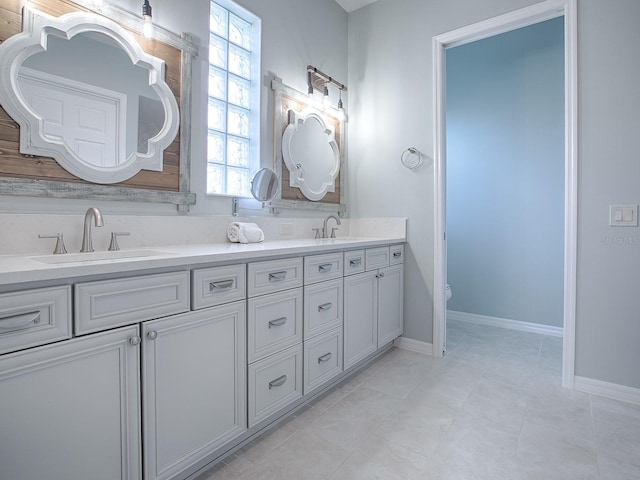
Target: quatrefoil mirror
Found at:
x=85, y=93
x=311, y=154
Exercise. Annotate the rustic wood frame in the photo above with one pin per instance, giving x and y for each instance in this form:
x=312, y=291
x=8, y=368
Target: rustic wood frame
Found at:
x=172, y=186
x=285, y=99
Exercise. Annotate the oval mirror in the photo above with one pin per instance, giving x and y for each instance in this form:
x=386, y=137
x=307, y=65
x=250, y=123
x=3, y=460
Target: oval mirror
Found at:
x=265, y=185
x=85, y=93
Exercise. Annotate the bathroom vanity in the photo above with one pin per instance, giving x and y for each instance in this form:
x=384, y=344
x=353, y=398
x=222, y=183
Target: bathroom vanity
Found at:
x=153, y=363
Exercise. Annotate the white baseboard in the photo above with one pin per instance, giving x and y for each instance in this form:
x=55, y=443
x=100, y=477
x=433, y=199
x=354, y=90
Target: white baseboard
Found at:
x=609, y=390
x=505, y=323
x=414, y=345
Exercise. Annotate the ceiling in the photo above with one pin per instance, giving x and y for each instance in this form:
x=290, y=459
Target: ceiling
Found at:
x=351, y=5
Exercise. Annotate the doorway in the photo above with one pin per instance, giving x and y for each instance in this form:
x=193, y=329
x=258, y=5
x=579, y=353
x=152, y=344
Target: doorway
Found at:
x=506, y=23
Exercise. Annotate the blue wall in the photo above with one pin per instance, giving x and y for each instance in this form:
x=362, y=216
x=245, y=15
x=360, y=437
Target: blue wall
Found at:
x=505, y=175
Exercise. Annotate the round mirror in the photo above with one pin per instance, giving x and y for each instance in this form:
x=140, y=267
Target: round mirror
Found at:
x=265, y=185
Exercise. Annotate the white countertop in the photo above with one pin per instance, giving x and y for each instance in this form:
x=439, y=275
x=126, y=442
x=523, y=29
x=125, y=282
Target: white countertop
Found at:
x=31, y=268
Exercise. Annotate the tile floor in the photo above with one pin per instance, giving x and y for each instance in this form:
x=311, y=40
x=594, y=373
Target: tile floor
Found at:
x=493, y=408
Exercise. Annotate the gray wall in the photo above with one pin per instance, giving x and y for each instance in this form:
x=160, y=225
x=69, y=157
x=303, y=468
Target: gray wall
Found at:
x=505, y=175
x=390, y=68
x=608, y=309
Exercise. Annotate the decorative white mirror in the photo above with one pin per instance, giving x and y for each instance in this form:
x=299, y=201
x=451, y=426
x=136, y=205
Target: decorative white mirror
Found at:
x=309, y=157
x=311, y=154
x=85, y=93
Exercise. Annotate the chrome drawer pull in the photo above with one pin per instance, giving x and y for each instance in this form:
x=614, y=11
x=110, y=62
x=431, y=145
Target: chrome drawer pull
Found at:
x=278, y=322
x=325, y=268
x=356, y=262
x=17, y=322
x=223, y=285
x=397, y=254
x=133, y=341
x=325, y=306
x=277, y=382
x=277, y=276
x=325, y=358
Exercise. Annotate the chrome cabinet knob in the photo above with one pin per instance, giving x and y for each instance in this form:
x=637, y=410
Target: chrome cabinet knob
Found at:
x=152, y=335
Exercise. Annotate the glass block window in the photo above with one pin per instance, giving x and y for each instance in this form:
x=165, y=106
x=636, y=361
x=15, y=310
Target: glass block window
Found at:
x=233, y=118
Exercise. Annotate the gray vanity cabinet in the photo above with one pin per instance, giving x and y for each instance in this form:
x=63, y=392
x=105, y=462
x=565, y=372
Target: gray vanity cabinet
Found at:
x=373, y=314
x=194, y=386
x=71, y=410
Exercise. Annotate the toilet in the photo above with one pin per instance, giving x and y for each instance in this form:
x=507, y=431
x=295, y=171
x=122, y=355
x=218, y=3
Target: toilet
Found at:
x=449, y=294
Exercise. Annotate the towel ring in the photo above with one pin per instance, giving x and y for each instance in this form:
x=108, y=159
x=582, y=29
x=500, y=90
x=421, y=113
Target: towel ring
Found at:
x=411, y=158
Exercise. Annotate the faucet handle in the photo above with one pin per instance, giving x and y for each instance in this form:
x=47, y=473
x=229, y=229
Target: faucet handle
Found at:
x=333, y=232
x=317, y=232
x=60, y=248
x=113, y=245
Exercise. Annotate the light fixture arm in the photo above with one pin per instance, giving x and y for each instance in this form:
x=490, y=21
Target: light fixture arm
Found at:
x=319, y=80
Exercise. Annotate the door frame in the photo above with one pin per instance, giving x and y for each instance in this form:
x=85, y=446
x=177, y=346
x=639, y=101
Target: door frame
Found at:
x=504, y=23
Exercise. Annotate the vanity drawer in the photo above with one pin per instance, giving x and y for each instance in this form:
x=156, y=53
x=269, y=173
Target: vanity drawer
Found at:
x=353, y=262
x=274, y=383
x=322, y=359
x=396, y=256
x=218, y=285
x=275, y=323
x=376, y=258
x=322, y=307
x=111, y=303
x=34, y=317
x=318, y=268
x=275, y=275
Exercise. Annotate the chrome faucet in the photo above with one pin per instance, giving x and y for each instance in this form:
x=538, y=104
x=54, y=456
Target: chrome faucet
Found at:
x=87, y=243
x=325, y=233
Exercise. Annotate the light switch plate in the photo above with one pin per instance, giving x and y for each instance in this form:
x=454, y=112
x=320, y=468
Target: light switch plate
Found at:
x=623, y=215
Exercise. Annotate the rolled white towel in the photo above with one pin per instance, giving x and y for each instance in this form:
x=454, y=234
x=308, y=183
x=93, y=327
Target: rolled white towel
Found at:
x=240, y=232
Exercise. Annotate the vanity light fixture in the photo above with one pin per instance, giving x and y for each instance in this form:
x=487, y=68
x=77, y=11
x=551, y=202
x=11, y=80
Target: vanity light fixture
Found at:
x=310, y=89
x=147, y=27
x=318, y=80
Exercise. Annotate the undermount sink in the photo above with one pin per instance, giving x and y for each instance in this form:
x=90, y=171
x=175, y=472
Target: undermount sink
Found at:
x=97, y=256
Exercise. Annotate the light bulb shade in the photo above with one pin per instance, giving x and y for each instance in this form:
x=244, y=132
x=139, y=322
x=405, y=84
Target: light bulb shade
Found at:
x=340, y=106
x=147, y=27
x=326, y=91
x=310, y=90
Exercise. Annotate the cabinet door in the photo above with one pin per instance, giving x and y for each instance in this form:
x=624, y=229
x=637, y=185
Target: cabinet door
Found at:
x=360, y=317
x=194, y=377
x=390, y=301
x=71, y=410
